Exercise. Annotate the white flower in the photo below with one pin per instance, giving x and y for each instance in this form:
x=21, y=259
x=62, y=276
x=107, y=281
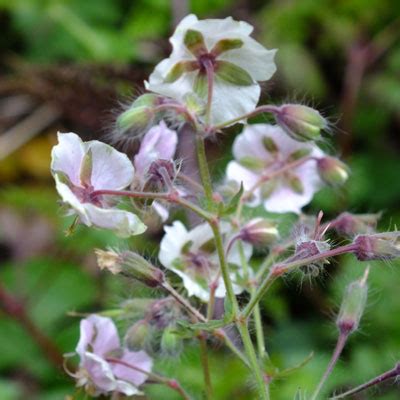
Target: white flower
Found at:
x=158, y=145
x=104, y=366
x=225, y=46
x=192, y=256
x=262, y=149
x=82, y=168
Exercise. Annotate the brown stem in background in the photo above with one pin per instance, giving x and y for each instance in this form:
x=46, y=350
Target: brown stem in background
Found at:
x=14, y=308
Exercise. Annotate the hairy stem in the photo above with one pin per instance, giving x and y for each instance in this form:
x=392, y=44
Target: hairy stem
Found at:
x=203, y=167
x=393, y=373
x=206, y=367
x=335, y=357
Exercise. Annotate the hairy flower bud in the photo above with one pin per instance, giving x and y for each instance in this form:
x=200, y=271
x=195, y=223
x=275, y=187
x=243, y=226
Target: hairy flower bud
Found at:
x=259, y=232
x=131, y=265
x=140, y=115
x=332, y=171
x=353, y=224
x=138, y=336
x=379, y=246
x=300, y=122
x=171, y=343
x=353, y=305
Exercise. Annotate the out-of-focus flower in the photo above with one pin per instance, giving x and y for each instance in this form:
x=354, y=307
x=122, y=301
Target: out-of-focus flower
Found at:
x=104, y=366
x=154, y=163
x=192, y=256
x=82, y=168
x=353, y=224
x=261, y=151
x=224, y=48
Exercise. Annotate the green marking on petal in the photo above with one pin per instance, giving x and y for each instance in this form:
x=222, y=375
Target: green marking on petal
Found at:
x=233, y=74
x=269, y=144
x=194, y=41
x=179, y=69
x=298, y=154
x=85, y=173
x=225, y=45
x=295, y=184
x=64, y=178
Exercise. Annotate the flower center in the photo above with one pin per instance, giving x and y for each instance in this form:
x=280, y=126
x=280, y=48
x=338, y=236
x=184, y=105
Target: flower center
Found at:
x=206, y=61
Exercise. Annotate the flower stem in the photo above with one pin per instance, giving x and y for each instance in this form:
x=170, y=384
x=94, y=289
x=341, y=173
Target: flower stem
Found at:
x=279, y=269
x=393, y=373
x=206, y=367
x=203, y=167
x=342, y=339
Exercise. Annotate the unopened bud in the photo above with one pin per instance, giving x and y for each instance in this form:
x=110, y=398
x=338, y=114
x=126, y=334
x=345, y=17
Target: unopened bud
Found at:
x=140, y=115
x=300, y=122
x=353, y=305
x=353, y=224
x=259, y=232
x=171, y=343
x=379, y=246
x=310, y=248
x=138, y=336
x=131, y=265
x=332, y=171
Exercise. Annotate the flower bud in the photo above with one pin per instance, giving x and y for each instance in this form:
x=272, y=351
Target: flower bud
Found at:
x=353, y=305
x=131, y=265
x=379, y=246
x=259, y=232
x=300, y=122
x=138, y=335
x=140, y=115
x=351, y=224
x=171, y=343
x=332, y=171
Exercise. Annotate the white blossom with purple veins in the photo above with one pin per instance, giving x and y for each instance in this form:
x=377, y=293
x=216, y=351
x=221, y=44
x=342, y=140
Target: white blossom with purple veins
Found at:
x=81, y=168
x=262, y=149
x=192, y=256
x=99, y=351
x=159, y=143
x=225, y=47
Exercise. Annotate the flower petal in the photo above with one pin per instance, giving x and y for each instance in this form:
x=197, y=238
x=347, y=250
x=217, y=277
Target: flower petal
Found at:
x=67, y=156
x=123, y=223
x=111, y=169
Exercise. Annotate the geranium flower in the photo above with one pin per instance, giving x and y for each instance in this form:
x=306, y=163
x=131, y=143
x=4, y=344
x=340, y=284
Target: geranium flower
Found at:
x=224, y=47
x=263, y=149
x=156, y=151
x=104, y=366
x=80, y=169
x=193, y=257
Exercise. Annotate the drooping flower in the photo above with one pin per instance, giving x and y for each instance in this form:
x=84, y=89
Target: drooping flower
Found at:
x=192, y=256
x=262, y=150
x=224, y=48
x=154, y=162
x=82, y=168
x=104, y=366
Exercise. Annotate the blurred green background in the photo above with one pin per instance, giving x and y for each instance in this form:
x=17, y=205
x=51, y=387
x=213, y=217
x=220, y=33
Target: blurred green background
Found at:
x=66, y=64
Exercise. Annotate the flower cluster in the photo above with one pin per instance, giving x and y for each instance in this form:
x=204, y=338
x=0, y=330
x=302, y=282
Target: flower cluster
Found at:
x=212, y=254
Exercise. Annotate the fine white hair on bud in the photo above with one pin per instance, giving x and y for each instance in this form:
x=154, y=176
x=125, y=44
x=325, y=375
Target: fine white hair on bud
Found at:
x=378, y=246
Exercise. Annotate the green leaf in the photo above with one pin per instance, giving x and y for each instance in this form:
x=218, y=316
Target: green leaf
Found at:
x=232, y=74
x=231, y=207
x=285, y=372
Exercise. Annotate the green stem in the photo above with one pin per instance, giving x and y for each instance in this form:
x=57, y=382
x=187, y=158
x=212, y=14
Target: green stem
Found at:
x=203, y=167
x=259, y=331
x=263, y=391
x=206, y=367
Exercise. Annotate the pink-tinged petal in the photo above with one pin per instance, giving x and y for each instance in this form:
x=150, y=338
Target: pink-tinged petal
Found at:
x=111, y=169
x=100, y=373
x=139, y=360
x=98, y=335
x=123, y=223
x=158, y=143
x=67, y=156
